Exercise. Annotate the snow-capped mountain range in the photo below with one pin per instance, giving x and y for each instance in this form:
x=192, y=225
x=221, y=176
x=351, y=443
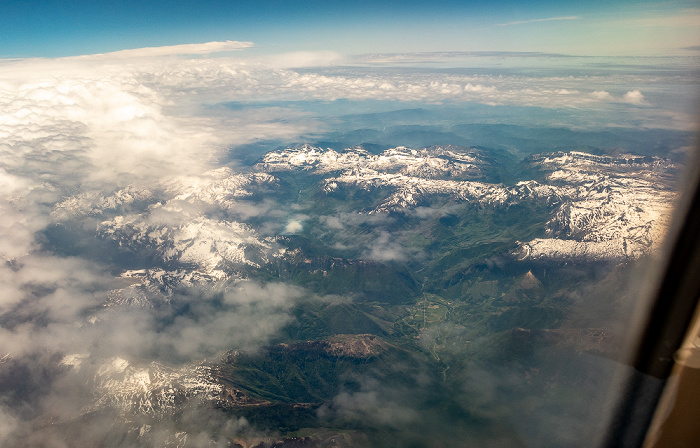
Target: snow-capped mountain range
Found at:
x=616, y=207
x=428, y=163
x=603, y=208
x=607, y=207
x=150, y=390
x=182, y=222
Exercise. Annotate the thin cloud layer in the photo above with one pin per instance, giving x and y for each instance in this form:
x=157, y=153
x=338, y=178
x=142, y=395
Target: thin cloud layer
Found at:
x=548, y=19
x=176, y=50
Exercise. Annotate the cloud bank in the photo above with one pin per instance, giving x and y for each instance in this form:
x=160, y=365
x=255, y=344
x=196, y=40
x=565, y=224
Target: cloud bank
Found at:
x=84, y=139
x=176, y=50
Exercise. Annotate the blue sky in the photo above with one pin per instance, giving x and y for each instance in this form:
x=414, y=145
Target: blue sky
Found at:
x=60, y=28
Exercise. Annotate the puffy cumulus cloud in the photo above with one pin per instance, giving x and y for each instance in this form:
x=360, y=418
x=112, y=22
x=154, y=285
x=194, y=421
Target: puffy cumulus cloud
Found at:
x=121, y=122
x=101, y=129
x=272, y=78
x=293, y=226
x=634, y=97
x=601, y=95
x=478, y=88
x=390, y=87
x=435, y=87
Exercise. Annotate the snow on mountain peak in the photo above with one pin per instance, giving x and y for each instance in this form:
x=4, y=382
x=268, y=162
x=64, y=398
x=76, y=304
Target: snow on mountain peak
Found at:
x=433, y=162
x=605, y=206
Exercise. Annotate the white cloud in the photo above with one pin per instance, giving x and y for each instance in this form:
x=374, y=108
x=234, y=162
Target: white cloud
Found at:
x=78, y=322
x=385, y=248
x=293, y=226
x=634, y=97
x=87, y=127
x=173, y=50
x=120, y=123
x=176, y=87
x=249, y=316
x=376, y=402
x=601, y=95
x=478, y=88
